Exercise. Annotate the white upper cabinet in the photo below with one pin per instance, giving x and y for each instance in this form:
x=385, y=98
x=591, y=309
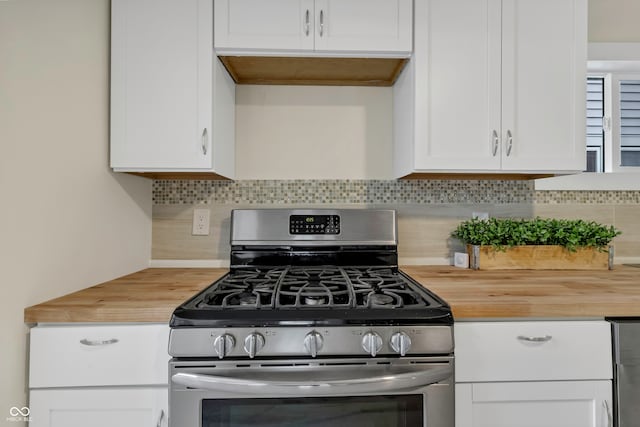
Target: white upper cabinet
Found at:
x=544, y=54
x=493, y=86
x=172, y=102
x=308, y=26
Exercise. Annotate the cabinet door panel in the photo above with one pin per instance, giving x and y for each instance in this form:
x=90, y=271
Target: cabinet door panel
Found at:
x=534, y=404
x=364, y=25
x=460, y=63
x=156, y=66
x=99, y=407
x=544, y=72
x=259, y=24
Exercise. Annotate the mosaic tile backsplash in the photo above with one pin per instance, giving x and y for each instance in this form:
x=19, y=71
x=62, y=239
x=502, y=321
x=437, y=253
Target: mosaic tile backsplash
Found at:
x=296, y=192
x=428, y=210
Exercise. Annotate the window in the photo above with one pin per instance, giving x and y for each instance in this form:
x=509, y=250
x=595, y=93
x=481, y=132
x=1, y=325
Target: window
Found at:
x=595, y=121
x=629, y=123
x=613, y=122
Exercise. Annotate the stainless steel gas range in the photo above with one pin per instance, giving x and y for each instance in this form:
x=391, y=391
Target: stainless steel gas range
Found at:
x=314, y=325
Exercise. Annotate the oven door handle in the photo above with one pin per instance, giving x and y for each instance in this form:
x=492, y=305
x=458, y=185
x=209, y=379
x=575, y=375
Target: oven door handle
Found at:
x=268, y=386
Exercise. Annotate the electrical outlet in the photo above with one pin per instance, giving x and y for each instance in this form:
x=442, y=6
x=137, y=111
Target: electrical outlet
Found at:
x=480, y=215
x=200, y=222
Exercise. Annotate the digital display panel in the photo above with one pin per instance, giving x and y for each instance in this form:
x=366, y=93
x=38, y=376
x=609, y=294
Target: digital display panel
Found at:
x=314, y=224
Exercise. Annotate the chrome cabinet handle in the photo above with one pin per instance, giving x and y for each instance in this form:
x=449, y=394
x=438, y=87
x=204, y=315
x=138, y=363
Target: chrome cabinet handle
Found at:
x=534, y=339
x=495, y=143
x=607, y=413
x=205, y=141
x=95, y=343
x=321, y=22
x=509, y=142
x=160, y=418
x=306, y=23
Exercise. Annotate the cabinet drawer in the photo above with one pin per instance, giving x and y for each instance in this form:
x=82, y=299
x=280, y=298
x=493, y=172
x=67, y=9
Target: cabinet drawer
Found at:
x=69, y=356
x=532, y=351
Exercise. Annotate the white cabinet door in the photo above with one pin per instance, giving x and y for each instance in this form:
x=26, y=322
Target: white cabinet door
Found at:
x=534, y=404
x=260, y=24
x=544, y=78
x=493, y=86
x=305, y=26
x=364, y=25
x=163, y=80
x=458, y=85
x=109, y=407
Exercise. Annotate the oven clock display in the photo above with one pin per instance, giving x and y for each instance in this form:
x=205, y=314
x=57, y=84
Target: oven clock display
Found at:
x=314, y=224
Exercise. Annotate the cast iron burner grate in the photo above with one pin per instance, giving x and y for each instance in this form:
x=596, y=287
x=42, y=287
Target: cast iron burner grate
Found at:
x=313, y=287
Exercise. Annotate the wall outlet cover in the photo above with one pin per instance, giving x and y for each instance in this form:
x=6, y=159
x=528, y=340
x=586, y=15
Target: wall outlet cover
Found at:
x=461, y=260
x=201, y=222
x=480, y=215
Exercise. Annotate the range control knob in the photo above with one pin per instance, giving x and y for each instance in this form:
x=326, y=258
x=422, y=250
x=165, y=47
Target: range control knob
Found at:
x=223, y=344
x=313, y=343
x=400, y=343
x=372, y=343
x=253, y=344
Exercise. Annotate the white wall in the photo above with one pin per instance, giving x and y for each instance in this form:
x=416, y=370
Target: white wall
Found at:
x=614, y=21
x=316, y=132
x=66, y=221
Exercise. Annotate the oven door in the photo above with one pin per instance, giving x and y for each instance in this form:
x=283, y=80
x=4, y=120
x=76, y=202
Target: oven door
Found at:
x=354, y=392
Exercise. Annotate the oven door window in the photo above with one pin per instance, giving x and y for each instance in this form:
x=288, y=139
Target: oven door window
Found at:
x=363, y=411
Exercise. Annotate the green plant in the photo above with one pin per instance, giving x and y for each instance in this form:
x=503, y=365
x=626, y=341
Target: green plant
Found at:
x=505, y=232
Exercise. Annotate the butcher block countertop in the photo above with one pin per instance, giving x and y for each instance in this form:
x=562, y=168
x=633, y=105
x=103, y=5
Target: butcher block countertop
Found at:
x=151, y=295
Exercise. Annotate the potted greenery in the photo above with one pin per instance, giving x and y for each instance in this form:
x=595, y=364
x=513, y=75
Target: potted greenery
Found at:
x=539, y=243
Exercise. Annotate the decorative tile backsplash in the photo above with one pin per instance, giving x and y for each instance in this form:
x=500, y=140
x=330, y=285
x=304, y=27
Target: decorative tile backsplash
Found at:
x=428, y=210
x=284, y=192
x=587, y=197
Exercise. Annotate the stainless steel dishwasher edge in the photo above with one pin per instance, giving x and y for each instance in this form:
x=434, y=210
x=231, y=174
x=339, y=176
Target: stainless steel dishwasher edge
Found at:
x=626, y=358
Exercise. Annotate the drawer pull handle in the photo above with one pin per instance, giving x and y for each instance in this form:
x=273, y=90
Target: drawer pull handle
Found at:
x=534, y=339
x=160, y=419
x=95, y=343
x=607, y=413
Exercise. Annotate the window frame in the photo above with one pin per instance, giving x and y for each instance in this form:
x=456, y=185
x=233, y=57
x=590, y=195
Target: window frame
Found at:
x=621, y=59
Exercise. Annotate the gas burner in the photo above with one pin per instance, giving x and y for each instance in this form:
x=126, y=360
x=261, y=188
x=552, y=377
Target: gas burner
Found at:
x=244, y=298
x=375, y=299
x=315, y=300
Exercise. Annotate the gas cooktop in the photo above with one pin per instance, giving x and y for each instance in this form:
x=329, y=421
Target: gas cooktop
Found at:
x=322, y=295
x=300, y=288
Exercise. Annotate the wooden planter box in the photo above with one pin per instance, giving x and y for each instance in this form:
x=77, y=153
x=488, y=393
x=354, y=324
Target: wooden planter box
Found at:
x=542, y=257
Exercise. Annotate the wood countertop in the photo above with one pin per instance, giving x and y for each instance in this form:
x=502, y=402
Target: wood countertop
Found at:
x=534, y=293
x=151, y=295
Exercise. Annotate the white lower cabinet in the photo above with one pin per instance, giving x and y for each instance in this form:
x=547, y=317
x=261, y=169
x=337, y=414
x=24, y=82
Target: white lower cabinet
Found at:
x=101, y=407
x=534, y=404
x=533, y=374
x=98, y=375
